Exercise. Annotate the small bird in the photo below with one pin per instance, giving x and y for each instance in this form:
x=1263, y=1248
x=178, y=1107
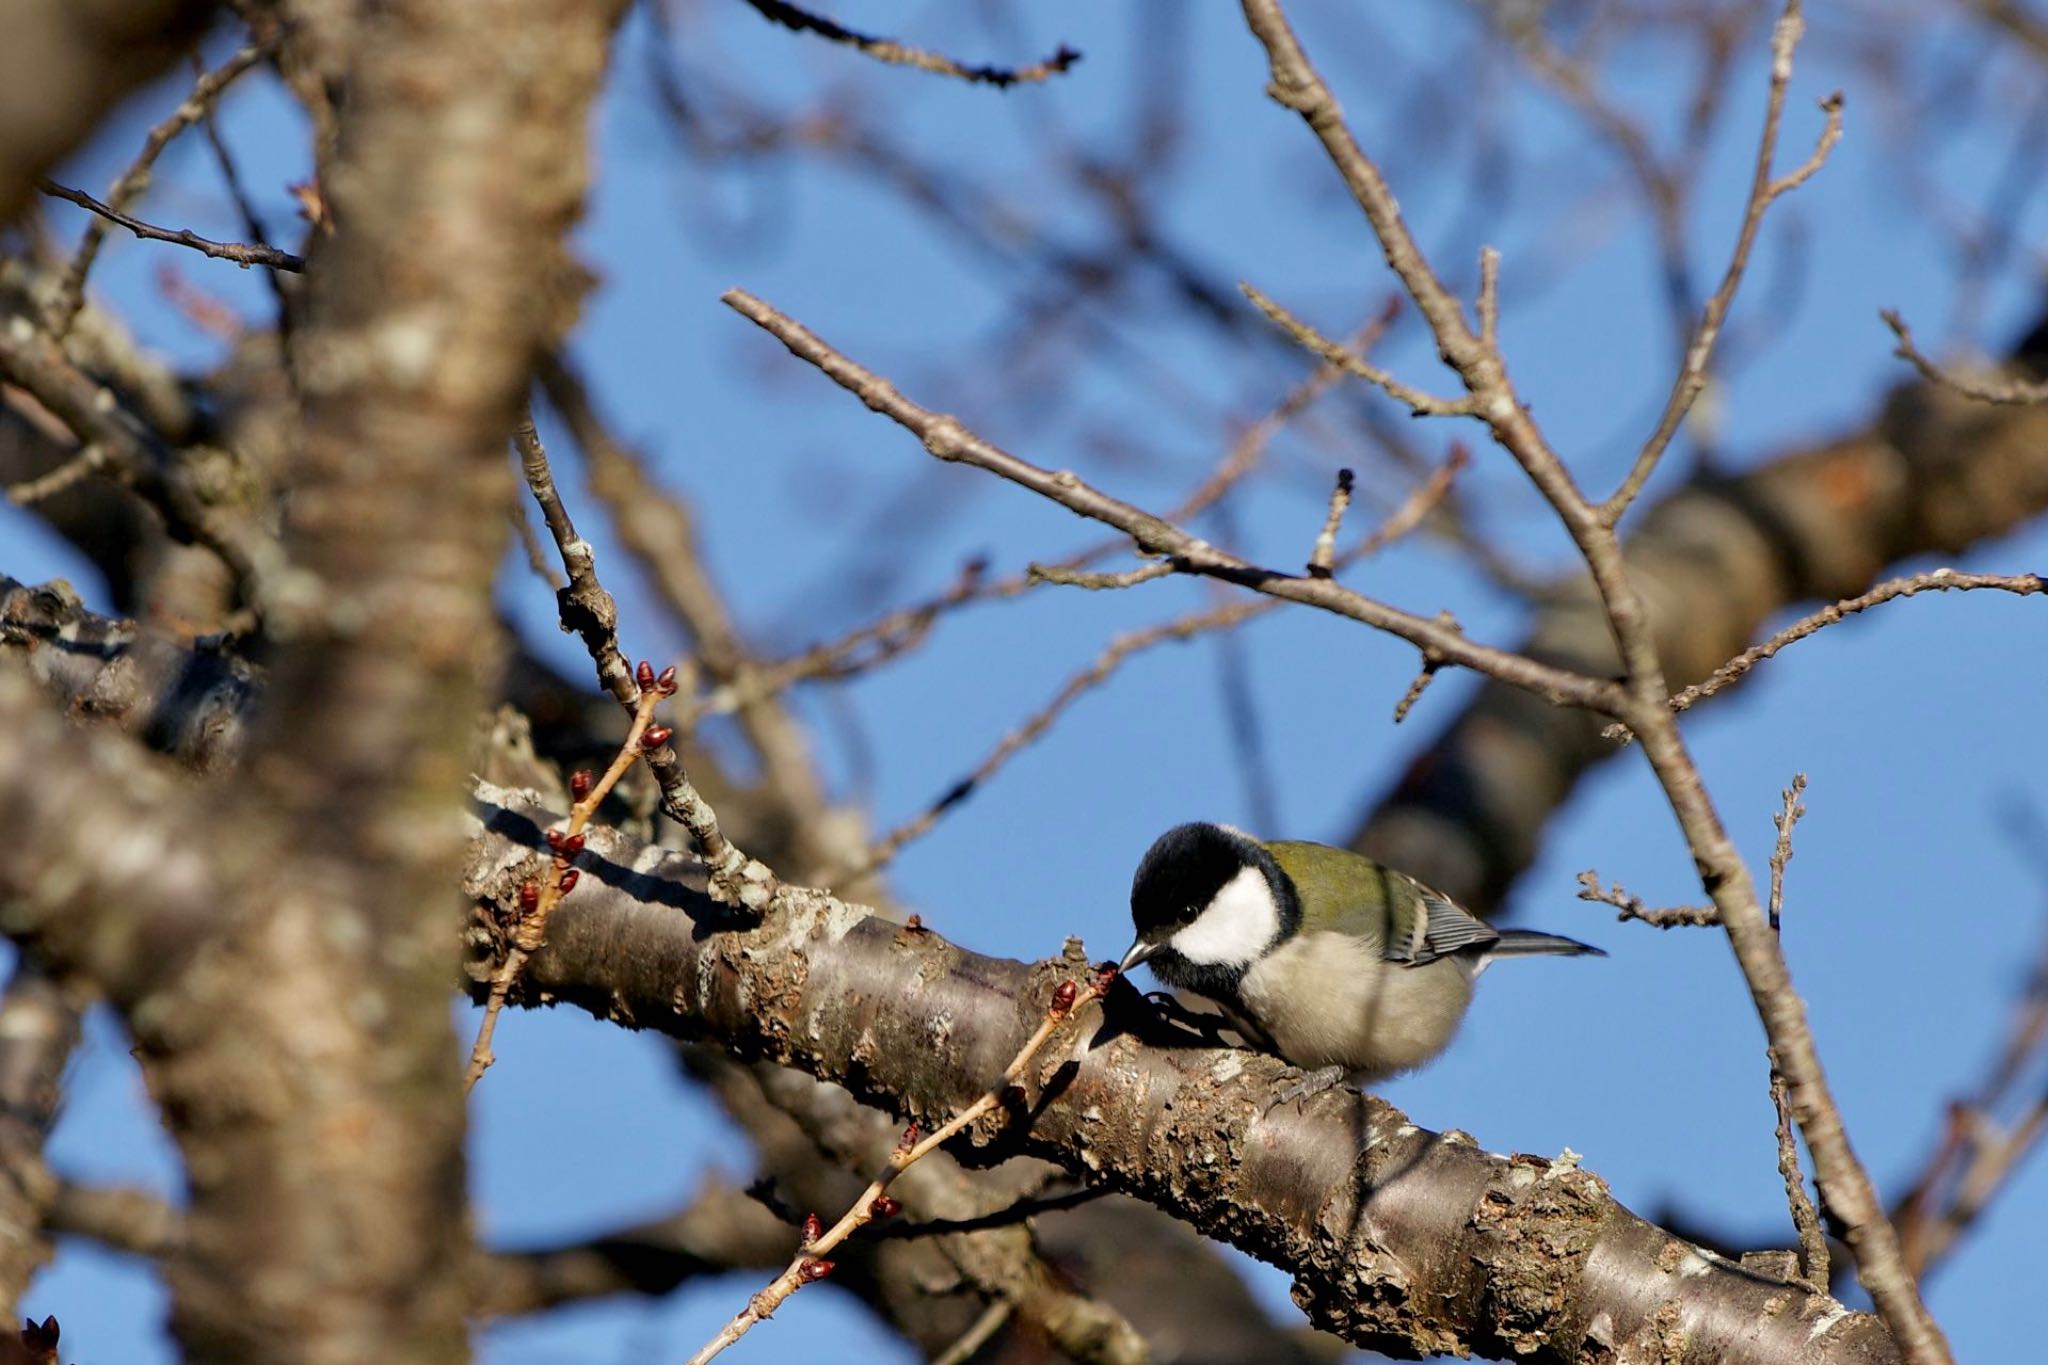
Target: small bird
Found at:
x=1343, y=967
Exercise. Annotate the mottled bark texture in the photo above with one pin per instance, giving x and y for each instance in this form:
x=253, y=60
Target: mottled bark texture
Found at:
x=1401, y=1240
x=1934, y=473
x=65, y=63
x=38, y=1029
x=284, y=972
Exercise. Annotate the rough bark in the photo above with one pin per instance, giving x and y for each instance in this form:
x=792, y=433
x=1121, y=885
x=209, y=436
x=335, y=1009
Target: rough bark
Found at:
x=1401, y=1240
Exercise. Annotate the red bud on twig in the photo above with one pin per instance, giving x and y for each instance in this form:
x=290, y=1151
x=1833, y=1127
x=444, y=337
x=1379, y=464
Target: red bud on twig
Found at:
x=814, y=1228
x=667, y=681
x=568, y=882
x=581, y=783
x=1063, y=998
x=644, y=675
x=813, y=1271
x=529, y=897
x=655, y=736
x=887, y=1206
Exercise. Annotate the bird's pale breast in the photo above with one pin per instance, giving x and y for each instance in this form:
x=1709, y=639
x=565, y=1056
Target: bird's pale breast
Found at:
x=1329, y=999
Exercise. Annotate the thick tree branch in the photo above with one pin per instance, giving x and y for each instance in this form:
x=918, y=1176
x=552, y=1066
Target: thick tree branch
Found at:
x=1401, y=1240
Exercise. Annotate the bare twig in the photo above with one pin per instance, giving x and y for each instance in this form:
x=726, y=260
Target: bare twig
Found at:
x=1934, y=580
x=590, y=612
x=206, y=90
x=538, y=899
x=1321, y=557
x=901, y=54
x=874, y=1202
x=977, y=1334
x=1100, y=582
x=1813, y=1239
x=1781, y=853
x=241, y=253
x=1765, y=188
x=1984, y=390
x=947, y=439
x=1337, y=354
x=1403, y=519
x=1631, y=907
x=850, y=655
x=884, y=850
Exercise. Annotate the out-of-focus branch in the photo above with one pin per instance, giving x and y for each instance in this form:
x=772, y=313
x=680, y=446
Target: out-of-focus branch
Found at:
x=241, y=253
x=1368, y=1212
x=124, y=192
x=720, y=1229
x=1934, y=580
x=65, y=64
x=38, y=1029
x=902, y=54
x=1989, y=390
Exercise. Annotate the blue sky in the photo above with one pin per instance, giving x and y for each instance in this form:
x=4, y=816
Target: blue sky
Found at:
x=1912, y=915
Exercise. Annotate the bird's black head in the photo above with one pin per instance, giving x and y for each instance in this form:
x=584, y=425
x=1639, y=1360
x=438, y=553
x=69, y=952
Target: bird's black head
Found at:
x=1207, y=901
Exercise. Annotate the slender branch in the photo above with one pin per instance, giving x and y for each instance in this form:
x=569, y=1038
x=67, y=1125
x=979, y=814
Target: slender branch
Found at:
x=947, y=439
x=1403, y=520
x=1781, y=853
x=588, y=610
x=1764, y=189
x=901, y=54
x=241, y=253
x=538, y=899
x=2011, y=390
x=1344, y=358
x=810, y=1265
x=1934, y=580
x=1321, y=556
x=206, y=92
x=1631, y=907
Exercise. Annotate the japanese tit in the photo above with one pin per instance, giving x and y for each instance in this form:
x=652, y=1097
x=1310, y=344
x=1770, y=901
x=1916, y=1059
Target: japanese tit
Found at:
x=1341, y=966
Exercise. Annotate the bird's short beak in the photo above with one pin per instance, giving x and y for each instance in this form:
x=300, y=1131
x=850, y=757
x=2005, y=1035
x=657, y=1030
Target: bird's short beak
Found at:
x=1138, y=953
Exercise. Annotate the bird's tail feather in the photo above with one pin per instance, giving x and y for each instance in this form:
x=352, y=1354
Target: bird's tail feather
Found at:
x=1530, y=943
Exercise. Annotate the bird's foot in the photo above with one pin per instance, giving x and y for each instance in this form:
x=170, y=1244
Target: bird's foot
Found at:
x=1309, y=1085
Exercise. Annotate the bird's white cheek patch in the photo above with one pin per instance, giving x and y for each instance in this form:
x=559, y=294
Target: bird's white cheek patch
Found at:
x=1236, y=926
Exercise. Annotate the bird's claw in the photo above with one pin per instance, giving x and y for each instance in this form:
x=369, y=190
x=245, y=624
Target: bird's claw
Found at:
x=1309, y=1085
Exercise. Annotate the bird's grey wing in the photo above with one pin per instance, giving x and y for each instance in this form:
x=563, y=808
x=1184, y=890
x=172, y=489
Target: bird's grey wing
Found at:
x=1432, y=925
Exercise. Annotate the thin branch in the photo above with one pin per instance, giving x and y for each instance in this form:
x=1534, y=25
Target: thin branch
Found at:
x=1630, y=907
x=1934, y=580
x=1101, y=582
x=1335, y=353
x=206, y=90
x=1813, y=1239
x=885, y=850
x=588, y=610
x=1765, y=188
x=244, y=254
x=2014, y=391
x=810, y=1264
x=849, y=656
x=947, y=439
x=538, y=899
x=1403, y=520
x=1321, y=556
x=1784, y=820
x=901, y=54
